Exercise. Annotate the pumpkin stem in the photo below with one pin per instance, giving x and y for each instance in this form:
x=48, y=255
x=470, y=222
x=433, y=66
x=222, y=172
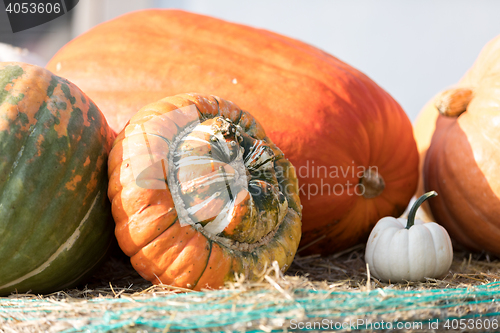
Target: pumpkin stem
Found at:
x=416, y=205
x=373, y=184
x=453, y=102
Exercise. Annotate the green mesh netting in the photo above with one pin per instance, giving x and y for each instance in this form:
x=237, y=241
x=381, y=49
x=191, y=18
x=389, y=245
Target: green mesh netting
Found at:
x=255, y=310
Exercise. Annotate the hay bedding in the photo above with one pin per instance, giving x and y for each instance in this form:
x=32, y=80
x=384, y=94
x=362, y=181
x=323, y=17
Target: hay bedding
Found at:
x=335, y=288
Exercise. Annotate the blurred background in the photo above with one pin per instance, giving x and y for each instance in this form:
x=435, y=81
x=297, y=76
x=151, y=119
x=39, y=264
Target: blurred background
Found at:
x=413, y=49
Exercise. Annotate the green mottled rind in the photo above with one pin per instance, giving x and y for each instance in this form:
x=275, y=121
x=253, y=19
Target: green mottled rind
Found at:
x=41, y=202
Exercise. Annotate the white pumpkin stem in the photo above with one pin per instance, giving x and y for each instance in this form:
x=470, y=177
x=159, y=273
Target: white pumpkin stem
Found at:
x=416, y=205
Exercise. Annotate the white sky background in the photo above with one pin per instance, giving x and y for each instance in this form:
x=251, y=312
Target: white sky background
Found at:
x=413, y=49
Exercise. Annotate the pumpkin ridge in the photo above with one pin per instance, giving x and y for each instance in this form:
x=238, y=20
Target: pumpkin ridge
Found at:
x=200, y=114
x=391, y=267
x=375, y=206
x=369, y=256
x=400, y=176
x=206, y=263
x=176, y=219
x=436, y=250
x=388, y=201
x=240, y=113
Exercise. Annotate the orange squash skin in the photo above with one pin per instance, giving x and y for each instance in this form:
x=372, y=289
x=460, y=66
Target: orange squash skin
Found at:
x=326, y=116
x=166, y=233
x=461, y=156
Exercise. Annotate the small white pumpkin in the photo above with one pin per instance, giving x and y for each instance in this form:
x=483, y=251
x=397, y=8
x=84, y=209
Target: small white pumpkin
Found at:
x=408, y=250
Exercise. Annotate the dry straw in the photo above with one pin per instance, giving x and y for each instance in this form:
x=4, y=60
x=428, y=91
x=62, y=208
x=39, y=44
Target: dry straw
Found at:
x=335, y=292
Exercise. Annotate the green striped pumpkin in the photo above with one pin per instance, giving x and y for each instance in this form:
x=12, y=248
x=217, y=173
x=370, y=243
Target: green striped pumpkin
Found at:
x=55, y=224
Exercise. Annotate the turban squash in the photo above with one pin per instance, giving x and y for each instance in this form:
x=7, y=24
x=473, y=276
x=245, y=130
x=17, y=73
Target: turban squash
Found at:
x=55, y=218
x=458, y=134
x=199, y=193
x=342, y=132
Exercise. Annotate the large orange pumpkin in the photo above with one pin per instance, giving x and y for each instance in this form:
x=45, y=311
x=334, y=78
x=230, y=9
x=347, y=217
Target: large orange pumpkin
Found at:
x=351, y=143
x=199, y=194
x=458, y=134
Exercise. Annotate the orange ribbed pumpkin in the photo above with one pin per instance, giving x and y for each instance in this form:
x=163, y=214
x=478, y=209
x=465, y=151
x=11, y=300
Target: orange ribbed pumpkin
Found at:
x=199, y=193
x=458, y=135
x=342, y=132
